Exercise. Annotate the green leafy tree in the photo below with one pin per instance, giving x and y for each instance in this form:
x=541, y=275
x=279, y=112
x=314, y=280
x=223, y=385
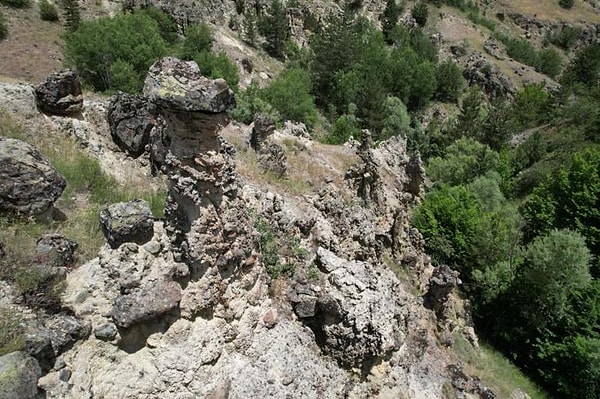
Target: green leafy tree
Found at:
x=290, y=94
x=532, y=105
x=48, y=11
x=198, y=39
x=568, y=199
x=166, y=24
x=218, y=66
x=345, y=127
x=397, y=120
x=96, y=45
x=420, y=12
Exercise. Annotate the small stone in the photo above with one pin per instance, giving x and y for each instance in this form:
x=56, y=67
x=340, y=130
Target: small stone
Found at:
x=64, y=375
x=153, y=247
x=271, y=318
x=306, y=306
x=106, y=332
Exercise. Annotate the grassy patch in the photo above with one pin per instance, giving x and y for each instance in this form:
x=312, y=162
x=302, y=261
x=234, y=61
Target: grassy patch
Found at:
x=11, y=336
x=496, y=371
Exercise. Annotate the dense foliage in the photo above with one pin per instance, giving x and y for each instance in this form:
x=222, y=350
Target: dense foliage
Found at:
x=48, y=11
x=3, y=27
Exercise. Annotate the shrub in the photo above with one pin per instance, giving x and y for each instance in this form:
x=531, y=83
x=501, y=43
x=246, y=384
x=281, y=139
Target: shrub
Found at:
x=566, y=37
x=566, y=4
x=420, y=12
x=132, y=42
x=549, y=62
x=218, y=66
x=11, y=336
x=450, y=81
x=166, y=24
x=16, y=3
x=72, y=14
x=3, y=27
x=249, y=102
x=48, y=11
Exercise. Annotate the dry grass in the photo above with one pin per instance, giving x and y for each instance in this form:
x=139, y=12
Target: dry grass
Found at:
x=549, y=10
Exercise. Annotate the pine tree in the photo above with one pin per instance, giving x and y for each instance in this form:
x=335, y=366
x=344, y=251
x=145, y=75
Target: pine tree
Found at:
x=390, y=17
x=72, y=15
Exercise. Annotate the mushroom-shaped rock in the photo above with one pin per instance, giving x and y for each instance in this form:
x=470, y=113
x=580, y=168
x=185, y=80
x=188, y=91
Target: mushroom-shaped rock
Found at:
x=18, y=376
x=131, y=118
x=60, y=94
x=178, y=85
x=146, y=304
x=28, y=183
x=130, y=221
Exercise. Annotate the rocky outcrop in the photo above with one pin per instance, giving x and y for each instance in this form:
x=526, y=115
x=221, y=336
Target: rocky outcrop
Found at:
x=130, y=221
x=60, y=94
x=29, y=185
x=271, y=156
x=18, y=376
x=487, y=76
x=131, y=118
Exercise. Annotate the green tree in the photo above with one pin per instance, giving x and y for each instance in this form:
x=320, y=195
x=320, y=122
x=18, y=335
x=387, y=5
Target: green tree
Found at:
x=389, y=18
x=166, y=24
x=450, y=81
x=198, y=39
x=420, y=12
x=218, y=66
x=567, y=4
x=397, y=120
x=96, y=45
x=585, y=67
x=549, y=62
x=532, y=105
x=290, y=94
x=274, y=26
x=48, y=11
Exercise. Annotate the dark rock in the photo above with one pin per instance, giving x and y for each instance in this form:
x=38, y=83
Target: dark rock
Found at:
x=271, y=157
x=306, y=306
x=2, y=251
x=57, y=250
x=442, y=282
x=29, y=185
x=60, y=94
x=178, y=85
x=127, y=222
x=19, y=374
x=131, y=118
x=416, y=175
x=263, y=127
x=146, y=304
x=491, y=80
x=247, y=65
x=465, y=384
x=106, y=332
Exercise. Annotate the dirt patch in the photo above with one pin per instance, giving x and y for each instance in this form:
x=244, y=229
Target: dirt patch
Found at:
x=32, y=49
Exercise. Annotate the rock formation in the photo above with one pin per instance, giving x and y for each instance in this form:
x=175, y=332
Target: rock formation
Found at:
x=131, y=118
x=127, y=222
x=29, y=185
x=18, y=376
x=271, y=156
x=60, y=94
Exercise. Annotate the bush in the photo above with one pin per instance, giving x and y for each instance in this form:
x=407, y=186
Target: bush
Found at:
x=450, y=81
x=420, y=13
x=549, y=62
x=72, y=14
x=16, y=3
x=115, y=53
x=218, y=66
x=566, y=37
x=249, y=102
x=11, y=336
x=3, y=27
x=566, y=4
x=48, y=11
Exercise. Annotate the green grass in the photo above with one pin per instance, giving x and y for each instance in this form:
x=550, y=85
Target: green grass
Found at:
x=496, y=371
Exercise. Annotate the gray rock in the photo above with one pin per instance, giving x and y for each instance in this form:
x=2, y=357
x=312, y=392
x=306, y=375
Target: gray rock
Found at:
x=131, y=118
x=127, y=222
x=56, y=249
x=271, y=156
x=60, y=94
x=178, y=85
x=146, y=304
x=443, y=281
x=18, y=376
x=29, y=185
x=328, y=261
x=306, y=306
x=106, y=332
x=263, y=127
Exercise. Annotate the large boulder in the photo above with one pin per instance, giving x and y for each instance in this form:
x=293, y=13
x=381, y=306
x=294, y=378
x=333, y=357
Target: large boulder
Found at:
x=29, y=185
x=130, y=221
x=131, y=118
x=19, y=374
x=60, y=94
x=175, y=84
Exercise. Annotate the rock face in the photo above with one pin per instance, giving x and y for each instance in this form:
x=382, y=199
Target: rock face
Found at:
x=271, y=156
x=18, y=376
x=29, y=185
x=127, y=222
x=60, y=94
x=131, y=118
